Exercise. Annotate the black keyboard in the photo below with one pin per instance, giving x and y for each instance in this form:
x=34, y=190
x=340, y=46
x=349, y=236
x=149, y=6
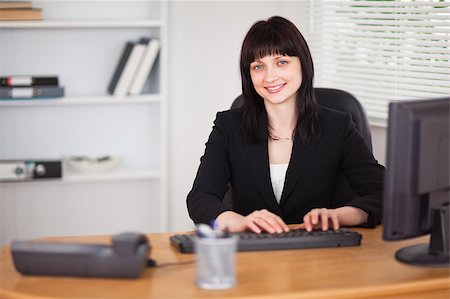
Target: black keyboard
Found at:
x=294, y=239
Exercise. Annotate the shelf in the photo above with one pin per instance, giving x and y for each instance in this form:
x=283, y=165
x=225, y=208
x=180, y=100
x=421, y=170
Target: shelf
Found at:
x=67, y=24
x=83, y=100
x=119, y=175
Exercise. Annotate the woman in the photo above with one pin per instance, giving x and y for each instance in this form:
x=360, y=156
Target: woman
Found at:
x=281, y=152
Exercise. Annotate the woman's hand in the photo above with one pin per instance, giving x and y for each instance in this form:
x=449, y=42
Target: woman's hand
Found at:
x=325, y=218
x=320, y=218
x=257, y=221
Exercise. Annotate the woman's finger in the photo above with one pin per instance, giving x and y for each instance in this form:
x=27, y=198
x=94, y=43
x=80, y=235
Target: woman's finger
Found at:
x=307, y=222
x=324, y=218
x=258, y=219
x=264, y=224
x=335, y=220
x=253, y=227
x=314, y=216
x=277, y=223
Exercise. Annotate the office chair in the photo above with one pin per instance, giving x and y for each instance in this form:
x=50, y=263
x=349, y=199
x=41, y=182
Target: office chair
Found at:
x=338, y=100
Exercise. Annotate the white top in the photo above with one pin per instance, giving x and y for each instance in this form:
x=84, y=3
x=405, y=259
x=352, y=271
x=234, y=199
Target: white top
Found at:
x=278, y=176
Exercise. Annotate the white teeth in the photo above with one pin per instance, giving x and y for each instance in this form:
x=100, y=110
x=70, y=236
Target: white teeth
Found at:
x=274, y=88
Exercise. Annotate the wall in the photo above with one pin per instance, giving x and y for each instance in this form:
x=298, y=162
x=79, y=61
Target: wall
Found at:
x=205, y=39
x=379, y=143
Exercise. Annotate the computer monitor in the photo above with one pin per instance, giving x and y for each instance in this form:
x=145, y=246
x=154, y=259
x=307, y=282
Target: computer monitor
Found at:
x=416, y=190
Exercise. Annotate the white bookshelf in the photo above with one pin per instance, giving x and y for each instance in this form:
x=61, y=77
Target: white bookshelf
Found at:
x=81, y=42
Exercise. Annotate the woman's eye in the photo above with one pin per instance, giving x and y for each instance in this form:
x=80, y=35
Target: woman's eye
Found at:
x=282, y=62
x=258, y=67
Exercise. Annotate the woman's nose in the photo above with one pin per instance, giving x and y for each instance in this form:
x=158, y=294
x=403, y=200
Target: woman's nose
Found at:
x=270, y=75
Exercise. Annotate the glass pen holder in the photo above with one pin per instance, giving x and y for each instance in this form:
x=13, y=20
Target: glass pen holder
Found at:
x=216, y=262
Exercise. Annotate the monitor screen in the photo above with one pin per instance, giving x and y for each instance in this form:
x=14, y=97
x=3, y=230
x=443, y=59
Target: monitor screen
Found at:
x=416, y=190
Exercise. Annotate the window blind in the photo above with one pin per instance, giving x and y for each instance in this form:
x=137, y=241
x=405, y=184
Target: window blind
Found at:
x=382, y=51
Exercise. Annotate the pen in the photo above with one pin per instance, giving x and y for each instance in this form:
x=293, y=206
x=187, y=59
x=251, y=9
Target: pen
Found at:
x=219, y=233
x=205, y=231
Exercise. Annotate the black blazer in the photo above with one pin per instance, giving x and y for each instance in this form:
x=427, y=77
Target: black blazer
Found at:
x=310, y=179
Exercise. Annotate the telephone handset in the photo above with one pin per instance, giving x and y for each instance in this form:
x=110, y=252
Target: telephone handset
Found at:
x=126, y=257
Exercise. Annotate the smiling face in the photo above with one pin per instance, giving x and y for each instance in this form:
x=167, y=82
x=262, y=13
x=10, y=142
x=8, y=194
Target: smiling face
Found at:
x=276, y=78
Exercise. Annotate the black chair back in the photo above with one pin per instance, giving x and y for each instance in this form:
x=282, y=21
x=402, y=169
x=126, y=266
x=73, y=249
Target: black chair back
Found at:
x=346, y=102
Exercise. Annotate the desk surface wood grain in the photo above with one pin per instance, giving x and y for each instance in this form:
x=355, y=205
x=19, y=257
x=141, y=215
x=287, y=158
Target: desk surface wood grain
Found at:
x=366, y=271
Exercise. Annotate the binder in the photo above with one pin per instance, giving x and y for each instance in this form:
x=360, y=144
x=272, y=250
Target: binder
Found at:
x=126, y=68
x=18, y=81
x=143, y=71
x=120, y=66
x=41, y=91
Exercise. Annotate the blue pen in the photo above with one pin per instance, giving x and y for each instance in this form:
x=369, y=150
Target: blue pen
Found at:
x=214, y=224
x=219, y=233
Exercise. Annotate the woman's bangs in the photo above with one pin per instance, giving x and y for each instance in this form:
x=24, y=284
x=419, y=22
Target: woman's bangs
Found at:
x=266, y=50
x=271, y=46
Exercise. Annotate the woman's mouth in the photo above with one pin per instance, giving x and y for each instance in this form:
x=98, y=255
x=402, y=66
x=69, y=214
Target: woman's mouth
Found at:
x=275, y=89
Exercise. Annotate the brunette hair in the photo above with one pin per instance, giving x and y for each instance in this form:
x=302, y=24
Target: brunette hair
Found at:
x=278, y=36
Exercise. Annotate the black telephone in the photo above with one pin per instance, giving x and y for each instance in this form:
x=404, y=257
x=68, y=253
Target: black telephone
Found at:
x=126, y=257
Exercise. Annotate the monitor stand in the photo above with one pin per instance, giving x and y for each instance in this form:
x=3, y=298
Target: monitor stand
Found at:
x=436, y=253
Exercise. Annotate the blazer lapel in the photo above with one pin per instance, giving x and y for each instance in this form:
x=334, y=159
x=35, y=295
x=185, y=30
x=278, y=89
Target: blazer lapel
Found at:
x=258, y=156
x=300, y=158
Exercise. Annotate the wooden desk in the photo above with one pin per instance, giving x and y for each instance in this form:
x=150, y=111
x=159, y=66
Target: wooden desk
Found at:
x=352, y=272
